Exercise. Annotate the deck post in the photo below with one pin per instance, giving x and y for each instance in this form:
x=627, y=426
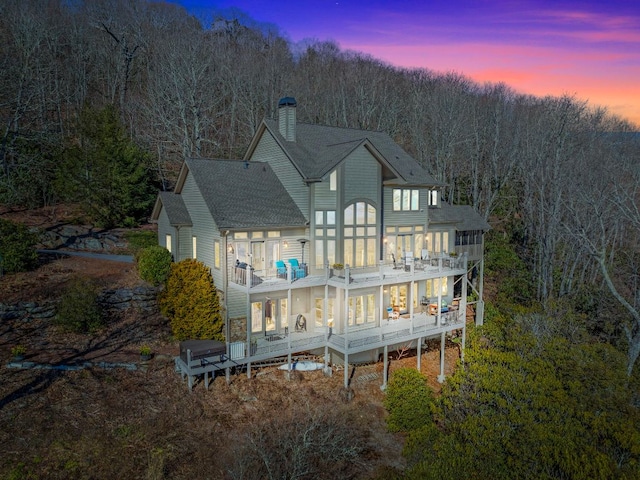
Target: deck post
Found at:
x=419, y=353
x=346, y=370
x=227, y=375
x=248, y=369
x=442, y=340
x=385, y=368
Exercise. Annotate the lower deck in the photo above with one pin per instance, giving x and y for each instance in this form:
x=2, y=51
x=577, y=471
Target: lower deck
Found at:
x=363, y=345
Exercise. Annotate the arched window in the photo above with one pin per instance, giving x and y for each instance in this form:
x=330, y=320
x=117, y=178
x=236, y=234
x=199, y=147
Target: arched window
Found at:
x=360, y=235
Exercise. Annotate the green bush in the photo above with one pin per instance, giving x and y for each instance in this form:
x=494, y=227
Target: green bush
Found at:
x=409, y=401
x=138, y=240
x=191, y=303
x=17, y=247
x=154, y=264
x=78, y=310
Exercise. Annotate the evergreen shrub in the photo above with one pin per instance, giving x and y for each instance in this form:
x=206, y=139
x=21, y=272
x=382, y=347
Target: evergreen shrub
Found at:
x=409, y=401
x=154, y=264
x=17, y=247
x=191, y=303
x=78, y=309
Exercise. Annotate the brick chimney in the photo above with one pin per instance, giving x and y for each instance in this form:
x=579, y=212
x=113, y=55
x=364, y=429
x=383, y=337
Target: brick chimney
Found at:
x=287, y=118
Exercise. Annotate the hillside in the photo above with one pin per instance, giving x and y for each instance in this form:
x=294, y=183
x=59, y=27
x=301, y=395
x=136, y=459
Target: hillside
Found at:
x=142, y=422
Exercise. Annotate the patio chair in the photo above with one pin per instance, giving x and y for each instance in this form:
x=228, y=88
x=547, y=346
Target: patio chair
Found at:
x=281, y=269
x=298, y=271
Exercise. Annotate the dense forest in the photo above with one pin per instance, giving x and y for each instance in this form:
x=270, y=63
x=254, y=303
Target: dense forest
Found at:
x=101, y=101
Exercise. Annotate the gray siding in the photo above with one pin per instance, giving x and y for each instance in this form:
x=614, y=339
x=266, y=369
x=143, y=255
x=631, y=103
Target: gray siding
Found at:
x=362, y=174
x=269, y=151
x=204, y=228
x=391, y=218
x=164, y=228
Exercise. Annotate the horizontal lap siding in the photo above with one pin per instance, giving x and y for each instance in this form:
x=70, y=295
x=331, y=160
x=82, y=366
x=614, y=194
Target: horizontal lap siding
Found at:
x=269, y=151
x=204, y=228
x=416, y=217
x=164, y=228
x=362, y=177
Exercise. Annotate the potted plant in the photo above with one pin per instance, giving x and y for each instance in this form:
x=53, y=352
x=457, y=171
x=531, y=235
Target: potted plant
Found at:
x=337, y=268
x=17, y=353
x=145, y=353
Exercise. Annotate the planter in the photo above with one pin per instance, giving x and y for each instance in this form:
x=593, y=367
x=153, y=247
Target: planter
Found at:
x=145, y=357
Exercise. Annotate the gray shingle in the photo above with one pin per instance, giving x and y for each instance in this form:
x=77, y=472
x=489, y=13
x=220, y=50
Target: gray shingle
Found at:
x=318, y=149
x=244, y=194
x=176, y=209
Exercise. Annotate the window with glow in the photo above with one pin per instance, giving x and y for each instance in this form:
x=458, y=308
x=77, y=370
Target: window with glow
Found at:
x=325, y=233
x=194, y=247
x=333, y=181
x=216, y=254
x=360, y=235
x=405, y=199
x=167, y=241
x=362, y=310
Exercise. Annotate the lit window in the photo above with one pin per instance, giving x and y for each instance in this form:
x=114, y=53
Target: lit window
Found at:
x=333, y=181
x=405, y=199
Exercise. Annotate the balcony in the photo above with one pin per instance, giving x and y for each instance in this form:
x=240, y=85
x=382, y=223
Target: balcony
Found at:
x=388, y=273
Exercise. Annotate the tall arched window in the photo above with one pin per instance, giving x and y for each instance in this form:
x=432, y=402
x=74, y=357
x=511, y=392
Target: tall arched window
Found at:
x=360, y=235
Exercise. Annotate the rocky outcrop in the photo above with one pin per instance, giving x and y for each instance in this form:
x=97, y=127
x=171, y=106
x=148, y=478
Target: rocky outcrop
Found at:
x=142, y=298
x=81, y=238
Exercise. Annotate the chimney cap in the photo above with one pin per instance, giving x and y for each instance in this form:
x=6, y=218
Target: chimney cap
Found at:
x=287, y=101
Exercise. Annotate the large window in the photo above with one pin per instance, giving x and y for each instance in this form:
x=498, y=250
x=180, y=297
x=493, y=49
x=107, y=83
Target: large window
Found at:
x=194, y=247
x=437, y=284
x=269, y=315
x=362, y=310
x=325, y=233
x=360, y=235
x=320, y=312
x=405, y=199
x=167, y=242
x=437, y=242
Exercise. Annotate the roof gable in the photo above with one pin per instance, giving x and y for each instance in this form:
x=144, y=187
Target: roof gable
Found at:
x=244, y=195
x=318, y=149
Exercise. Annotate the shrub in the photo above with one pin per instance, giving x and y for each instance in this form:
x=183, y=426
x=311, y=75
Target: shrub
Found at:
x=17, y=247
x=78, y=310
x=138, y=240
x=154, y=264
x=191, y=303
x=409, y=401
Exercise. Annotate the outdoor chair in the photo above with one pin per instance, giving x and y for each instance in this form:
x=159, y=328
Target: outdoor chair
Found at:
x=281, y=269
x=298, y=271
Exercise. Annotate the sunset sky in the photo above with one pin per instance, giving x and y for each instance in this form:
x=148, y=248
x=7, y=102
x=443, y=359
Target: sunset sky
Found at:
x=589, y=49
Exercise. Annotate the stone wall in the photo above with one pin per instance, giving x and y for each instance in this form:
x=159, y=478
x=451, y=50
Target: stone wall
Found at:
x=238, y=329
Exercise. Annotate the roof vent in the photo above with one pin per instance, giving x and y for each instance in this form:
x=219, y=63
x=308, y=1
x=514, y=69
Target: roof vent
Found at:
x=287, y=118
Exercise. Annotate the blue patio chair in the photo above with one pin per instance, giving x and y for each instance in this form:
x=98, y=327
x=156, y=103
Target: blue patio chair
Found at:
x=298, y=271
x=281, y=269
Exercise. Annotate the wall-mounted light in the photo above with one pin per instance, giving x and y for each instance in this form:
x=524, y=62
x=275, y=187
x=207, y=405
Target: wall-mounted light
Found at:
x=230, y=249
x=286, y=244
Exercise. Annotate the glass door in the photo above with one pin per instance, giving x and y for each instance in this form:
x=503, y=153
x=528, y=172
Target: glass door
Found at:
x=257, y=255
x=398, y=297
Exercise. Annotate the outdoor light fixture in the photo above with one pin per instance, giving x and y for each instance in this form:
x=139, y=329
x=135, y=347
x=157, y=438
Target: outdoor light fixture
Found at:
x=286, y=244
x=230, y=249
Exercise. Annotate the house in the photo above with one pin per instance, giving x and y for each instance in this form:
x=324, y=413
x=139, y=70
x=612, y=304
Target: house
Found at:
x=324, y=239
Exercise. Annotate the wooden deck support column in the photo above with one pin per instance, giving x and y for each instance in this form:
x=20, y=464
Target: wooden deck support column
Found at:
x=385, y=368
x=419, y=353
x=346, y=370
x=442, y=344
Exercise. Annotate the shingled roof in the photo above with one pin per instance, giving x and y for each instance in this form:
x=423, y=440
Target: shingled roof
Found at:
x=464, y=217
x=318, y=149
x=175, y=208
x=244, y=194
